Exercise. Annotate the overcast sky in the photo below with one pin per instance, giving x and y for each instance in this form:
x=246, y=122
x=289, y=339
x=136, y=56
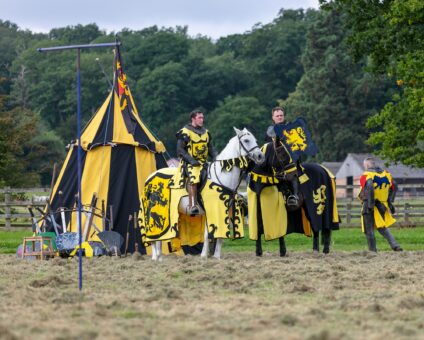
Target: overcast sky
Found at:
x=213, y=18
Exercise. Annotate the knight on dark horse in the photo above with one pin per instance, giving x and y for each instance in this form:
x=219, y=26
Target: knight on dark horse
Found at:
x=312, y=209
x=289, y=168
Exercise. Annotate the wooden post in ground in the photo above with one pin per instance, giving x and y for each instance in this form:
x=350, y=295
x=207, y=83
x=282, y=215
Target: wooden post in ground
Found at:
x=348, y=212
x=406, y=207
x=7, y=209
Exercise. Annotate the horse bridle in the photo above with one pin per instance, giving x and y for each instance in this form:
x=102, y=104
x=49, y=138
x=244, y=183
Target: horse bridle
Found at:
x=241, y=145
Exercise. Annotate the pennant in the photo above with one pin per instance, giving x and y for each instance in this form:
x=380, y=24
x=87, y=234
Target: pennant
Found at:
x=297, y=138
x=123, y=91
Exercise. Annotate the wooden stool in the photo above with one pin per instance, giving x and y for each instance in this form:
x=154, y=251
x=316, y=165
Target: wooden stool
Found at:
x=42, y=253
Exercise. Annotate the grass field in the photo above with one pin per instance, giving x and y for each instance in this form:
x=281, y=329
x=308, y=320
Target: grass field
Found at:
x=345, y=239
x=347, y=294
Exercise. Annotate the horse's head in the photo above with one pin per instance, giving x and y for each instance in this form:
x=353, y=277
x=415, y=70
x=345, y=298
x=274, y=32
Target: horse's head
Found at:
x=248, y=146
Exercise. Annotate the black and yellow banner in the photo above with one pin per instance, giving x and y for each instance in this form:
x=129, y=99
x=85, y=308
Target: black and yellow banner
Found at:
x=297, y=138
x=122, y=89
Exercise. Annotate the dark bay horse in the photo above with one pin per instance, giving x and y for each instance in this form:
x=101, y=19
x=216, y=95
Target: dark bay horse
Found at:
x=278, y=178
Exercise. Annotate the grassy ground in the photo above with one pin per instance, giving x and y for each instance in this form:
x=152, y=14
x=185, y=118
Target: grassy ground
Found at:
x=346, y=239
x=342, y=295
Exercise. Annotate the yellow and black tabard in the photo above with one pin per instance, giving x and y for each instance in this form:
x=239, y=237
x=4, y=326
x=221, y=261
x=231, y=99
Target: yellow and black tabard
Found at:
x=197, y=146
x=382, y=183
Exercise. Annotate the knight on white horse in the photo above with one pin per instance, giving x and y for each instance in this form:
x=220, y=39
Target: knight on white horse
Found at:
x=163, y=218
x=194, y=146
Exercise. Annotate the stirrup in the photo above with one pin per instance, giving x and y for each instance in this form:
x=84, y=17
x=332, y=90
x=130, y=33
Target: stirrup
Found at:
x=194, y=210
x=292, y=201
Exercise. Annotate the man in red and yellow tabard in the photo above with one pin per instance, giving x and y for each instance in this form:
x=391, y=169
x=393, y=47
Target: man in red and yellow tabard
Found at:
x=377, y=195
x=194, y=146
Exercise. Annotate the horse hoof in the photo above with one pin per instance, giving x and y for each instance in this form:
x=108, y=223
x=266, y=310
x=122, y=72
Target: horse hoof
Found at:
x=259, y=254
x=283, y=254
x=326, y=251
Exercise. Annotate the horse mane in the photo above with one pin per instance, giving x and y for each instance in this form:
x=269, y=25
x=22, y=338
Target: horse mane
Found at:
x=228, y=151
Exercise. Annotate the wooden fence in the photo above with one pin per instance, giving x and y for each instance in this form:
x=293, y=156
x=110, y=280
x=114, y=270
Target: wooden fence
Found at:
x=14, y=212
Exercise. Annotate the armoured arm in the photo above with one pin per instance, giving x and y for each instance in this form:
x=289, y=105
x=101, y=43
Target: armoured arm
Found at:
x=391, y=198
x=181, y=152
x=369, y=200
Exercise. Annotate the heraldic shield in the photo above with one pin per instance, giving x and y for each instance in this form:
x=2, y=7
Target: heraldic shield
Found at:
x=297, y=138
x=156, y=205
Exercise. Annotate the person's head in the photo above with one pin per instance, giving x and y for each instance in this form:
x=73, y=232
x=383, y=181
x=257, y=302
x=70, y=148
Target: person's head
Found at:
x=369, y=162
x=278, y=115
x=197, y=118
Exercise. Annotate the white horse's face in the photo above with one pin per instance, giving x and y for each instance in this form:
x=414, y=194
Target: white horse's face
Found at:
x=249, y=147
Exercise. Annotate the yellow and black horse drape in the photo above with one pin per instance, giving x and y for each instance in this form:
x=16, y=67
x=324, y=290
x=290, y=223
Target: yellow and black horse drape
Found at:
x=160, y=219
x=224, y=213
x=118, y=154
x=267, y=211
x=319, y=194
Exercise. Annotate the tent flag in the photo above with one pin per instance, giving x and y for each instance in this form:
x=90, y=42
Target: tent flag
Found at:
x=124, y=94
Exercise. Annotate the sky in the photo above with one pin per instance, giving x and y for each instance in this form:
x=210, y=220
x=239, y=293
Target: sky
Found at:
x=212, y=18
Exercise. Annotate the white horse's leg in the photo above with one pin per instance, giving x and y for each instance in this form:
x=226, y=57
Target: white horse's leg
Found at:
x=205, y=249
x=154, y=254
x=217, y=253
x=159, y=250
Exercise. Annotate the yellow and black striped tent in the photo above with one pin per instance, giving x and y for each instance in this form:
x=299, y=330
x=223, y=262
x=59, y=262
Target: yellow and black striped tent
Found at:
x=118, y=153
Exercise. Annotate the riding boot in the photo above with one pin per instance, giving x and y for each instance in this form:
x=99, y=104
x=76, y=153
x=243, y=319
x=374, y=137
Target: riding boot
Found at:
x=193, y=206
x=293, y=199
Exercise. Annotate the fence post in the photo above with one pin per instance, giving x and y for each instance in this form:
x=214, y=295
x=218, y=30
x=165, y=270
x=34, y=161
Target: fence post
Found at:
x=348, y=212
x=7, y=210
x=406, y=207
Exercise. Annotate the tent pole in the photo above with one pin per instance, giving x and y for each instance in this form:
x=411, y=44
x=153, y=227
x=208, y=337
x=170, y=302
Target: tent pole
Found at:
x=79, y=167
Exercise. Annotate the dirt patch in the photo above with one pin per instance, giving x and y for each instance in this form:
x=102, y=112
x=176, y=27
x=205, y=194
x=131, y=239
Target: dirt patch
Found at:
x=303, y=296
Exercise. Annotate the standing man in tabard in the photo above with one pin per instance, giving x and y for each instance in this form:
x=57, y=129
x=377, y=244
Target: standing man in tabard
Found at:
x=194, y=146
x=377, y=195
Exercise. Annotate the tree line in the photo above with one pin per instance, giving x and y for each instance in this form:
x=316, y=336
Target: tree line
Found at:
x=356, y=97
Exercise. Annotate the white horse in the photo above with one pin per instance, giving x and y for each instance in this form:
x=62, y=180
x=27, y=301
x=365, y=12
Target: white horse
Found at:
x=243, y=144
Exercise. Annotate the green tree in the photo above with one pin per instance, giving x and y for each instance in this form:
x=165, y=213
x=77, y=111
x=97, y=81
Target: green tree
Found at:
x=212, y=79
x=390, y=34
x=240, y=112
x=151, y=49
x=164, y=97
x=334, y=94
x=17, y=125
x=272, y=55
x=79, y=34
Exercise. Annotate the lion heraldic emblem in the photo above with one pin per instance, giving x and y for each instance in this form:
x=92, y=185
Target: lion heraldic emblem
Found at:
x=320, y=199
x=200, y=150
x=156, y=206
x=296, y=138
